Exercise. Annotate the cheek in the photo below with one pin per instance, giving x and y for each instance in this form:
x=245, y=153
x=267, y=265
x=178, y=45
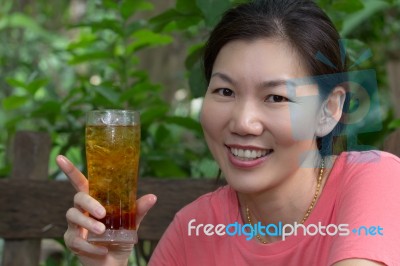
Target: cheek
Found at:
x=279, y=125
x=213, y=117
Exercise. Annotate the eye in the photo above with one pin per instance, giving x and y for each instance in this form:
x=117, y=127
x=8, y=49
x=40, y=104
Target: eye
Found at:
x=276, y=98
x=224, y=92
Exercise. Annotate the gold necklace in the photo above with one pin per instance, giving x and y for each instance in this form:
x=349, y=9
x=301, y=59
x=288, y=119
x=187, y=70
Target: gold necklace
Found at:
x=310, y=208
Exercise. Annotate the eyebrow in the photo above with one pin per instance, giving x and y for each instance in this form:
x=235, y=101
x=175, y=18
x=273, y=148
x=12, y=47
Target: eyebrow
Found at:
x=266, y=84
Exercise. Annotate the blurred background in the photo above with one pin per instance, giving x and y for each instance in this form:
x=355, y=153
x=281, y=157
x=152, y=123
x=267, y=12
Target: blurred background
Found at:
x=59, y=59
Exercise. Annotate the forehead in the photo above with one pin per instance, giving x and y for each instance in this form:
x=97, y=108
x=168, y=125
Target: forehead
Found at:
x=268, y=57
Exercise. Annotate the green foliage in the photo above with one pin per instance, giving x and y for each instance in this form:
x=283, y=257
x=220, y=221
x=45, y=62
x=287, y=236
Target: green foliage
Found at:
x=370, y=25
x=55, y=68
x=61, y=72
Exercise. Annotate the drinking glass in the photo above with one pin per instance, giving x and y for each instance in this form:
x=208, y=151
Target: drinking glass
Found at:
x=112, y=153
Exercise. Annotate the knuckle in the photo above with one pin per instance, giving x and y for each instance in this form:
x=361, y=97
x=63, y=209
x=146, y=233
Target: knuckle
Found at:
x=70, y=213
x=78, y=197
x=68, y=240
x=83, y=200
x=74, y=243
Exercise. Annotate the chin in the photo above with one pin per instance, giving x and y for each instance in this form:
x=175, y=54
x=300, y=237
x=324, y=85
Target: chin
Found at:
x=248, y=184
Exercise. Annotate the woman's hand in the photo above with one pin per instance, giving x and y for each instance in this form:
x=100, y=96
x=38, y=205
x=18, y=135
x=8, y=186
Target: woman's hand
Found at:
x=79, y=222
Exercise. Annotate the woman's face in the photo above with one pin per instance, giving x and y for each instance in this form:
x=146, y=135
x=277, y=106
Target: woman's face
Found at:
x=259, y=129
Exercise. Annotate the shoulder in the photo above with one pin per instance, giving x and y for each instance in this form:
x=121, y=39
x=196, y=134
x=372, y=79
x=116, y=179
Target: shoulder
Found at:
x=366, y=182
x=371, y=165
x=371, y=158
x=368, y=199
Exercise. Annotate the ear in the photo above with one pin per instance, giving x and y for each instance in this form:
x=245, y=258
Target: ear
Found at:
x=331, y=111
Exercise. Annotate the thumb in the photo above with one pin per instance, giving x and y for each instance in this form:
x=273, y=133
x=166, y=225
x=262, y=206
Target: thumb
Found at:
x=144, y=204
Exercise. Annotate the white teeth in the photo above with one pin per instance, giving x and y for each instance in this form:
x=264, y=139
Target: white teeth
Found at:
x=249, y=154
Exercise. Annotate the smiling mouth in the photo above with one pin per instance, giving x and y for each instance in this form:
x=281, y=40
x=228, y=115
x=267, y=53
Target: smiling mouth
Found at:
x=248, y=154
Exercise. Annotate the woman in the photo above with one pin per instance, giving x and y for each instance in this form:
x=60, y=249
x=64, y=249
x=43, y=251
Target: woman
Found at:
x=269, y=116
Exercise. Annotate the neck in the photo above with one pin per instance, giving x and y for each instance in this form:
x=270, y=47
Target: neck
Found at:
x=287, y=203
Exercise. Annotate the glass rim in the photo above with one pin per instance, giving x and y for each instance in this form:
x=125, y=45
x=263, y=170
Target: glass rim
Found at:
x=113, y=111
x=125, y=117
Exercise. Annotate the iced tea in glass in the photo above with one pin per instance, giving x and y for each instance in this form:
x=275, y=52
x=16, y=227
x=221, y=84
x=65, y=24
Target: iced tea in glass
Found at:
x=112, y=153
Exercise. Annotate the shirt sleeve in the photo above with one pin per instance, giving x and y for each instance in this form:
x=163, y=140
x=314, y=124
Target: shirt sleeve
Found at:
x=369, y=202
x=170, y=248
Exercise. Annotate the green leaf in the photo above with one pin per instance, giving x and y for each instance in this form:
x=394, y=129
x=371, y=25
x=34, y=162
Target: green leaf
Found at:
x=348, y=6
x=18, y=20
x=134, y=26
x=14, y=102
x=146, y=38
x=85, y=40
x=212, y=10
x=162, y=134
x=153, y=113
x=185, y=23
x=323, y=3
x=13, y=122
x=49, y=110
x=104, y=24
x=160, y=21
x=172, y=19
x=167, y=168
x=353, y=21
x=194, y=55
x=90, y=56
x=110, y=4
x=186, y=122
x=197, y=81
x=394, y=124
x=35, y=85
x=16, y=83
x=108, y=93
x=187, y=7
x=129, y=7
x=139, y=88
x=4, y=171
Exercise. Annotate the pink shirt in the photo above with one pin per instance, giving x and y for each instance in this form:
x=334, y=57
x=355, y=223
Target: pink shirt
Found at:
x=363, y=191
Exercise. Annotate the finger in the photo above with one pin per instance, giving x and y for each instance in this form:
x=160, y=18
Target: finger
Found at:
x=144, y=204
x=75, y=230
x=80, y=246
x=76, y=220
x=78, y=180
x=86, y=203
x=76, y=235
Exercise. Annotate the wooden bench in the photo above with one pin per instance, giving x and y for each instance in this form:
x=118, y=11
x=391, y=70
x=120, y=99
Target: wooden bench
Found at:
x=32, y=207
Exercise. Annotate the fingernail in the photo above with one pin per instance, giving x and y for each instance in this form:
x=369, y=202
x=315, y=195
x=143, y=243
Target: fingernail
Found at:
x=100, y=212
x=154, y=198
x=99, y=228
x=60, y=158
x=63, y=159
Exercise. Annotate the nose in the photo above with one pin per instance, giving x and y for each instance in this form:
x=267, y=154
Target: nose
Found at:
x=247, y=119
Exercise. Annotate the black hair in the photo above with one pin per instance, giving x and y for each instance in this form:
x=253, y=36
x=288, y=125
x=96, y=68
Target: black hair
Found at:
x=300, y=23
